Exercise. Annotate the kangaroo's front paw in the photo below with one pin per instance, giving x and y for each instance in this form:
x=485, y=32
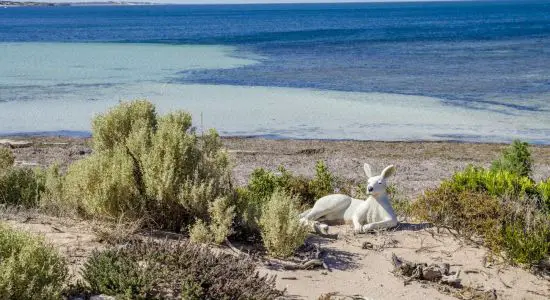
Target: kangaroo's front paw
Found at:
x=358, y=230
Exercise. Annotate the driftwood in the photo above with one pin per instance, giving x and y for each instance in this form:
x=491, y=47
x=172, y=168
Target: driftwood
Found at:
x=308, y=265
x=440, y=277
x=422, y=271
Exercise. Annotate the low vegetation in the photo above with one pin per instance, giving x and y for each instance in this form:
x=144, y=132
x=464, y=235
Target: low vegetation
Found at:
x=281, y=232
x=29, y=267
x=174, y=270
x=502, y=207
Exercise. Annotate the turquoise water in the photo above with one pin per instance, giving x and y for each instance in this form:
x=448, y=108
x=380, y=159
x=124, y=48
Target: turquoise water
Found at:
x=469, y=71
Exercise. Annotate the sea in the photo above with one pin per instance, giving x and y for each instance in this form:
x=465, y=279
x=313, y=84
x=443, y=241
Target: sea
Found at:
x=469, y=71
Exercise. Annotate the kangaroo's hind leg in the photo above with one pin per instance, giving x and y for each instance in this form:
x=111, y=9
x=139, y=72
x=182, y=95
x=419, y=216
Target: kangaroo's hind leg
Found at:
x=328, y=205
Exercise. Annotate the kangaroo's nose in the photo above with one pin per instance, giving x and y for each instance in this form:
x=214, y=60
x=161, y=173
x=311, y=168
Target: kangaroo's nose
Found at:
x=370, y=189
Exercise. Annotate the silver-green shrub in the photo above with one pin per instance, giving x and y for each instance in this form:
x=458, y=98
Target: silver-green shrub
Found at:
x=149, y=167
x=281, y=230
x=29, y=268
x=103, y=185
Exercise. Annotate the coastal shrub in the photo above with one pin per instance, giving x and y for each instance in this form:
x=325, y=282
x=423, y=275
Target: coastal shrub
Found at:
x=281, y=230
x=149, y=167
x=51, y=197
x=20, y=186
x=526, y=235
x=7, y=159
x=399, y=201
x=515, y=226
x=515, y=159
x=29, y=267
x=469, y=213
x=175, y=270
x=129, y=124
x=222, y=214
x=200, y=232
x=262, y=184
x=543, y=189
x=502, y=207
x=323, y=182
x=496, y=183
x=103, y=185
x=111, y=273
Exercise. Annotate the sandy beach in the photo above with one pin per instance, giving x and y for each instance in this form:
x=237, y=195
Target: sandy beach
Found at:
x=352, y=269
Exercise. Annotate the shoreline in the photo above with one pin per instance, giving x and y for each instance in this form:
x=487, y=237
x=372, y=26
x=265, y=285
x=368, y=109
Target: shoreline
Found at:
x=68, y=134
x=420, y=165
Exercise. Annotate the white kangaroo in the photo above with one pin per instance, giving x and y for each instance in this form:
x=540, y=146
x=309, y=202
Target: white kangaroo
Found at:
x=374, y=213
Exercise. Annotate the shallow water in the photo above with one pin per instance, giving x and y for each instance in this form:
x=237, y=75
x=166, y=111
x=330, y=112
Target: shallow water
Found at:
x=438, y=71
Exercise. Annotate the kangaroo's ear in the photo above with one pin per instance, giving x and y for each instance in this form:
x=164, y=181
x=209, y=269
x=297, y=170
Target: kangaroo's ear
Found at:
x=388, y=171
x=368, y=170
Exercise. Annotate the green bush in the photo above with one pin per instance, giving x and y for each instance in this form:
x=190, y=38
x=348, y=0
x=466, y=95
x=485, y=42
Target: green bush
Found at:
x=175, y=270
x=222, y=214
x=323, y=182
x=20, y=186
x=515, y=159
x=496, y=183
x=262, y=184
x=29, y=268
x=400, y=203
x=516, y=226
x=281, y=230
x=103, y=185
x=470, y=213
x=6, y=158
x=543, y=189
x=111, y=273
x=527, y=240
x=51, y=198
x=502, y=207
x=150, y=167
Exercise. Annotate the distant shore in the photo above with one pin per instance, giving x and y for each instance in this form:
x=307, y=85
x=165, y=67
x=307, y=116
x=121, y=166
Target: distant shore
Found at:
x=107, y=3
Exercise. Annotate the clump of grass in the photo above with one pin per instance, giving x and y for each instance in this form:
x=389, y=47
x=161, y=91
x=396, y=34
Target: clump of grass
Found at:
x=29, y=267
x=281, y=230
x=501, y=207
x=175, y=270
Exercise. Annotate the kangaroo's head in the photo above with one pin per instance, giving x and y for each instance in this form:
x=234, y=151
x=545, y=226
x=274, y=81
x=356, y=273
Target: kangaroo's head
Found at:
x=377, y=184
